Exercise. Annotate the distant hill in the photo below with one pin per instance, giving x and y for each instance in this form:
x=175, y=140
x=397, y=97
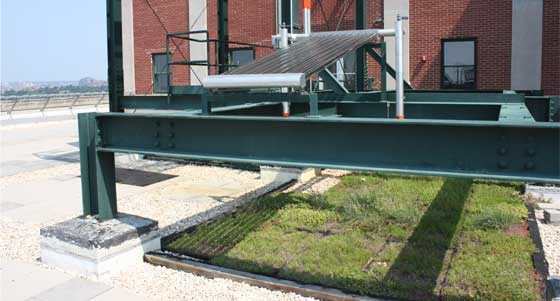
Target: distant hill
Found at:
x=91, y=82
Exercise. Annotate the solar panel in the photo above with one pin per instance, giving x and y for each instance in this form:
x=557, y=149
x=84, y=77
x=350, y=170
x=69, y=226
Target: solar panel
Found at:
x=309, y=55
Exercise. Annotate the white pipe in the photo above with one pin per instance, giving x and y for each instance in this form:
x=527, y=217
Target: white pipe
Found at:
x=278, y=16
x=291, y=16
x=285, y=109
x=280, y=80
x=307, y=17
x=386, y=32
x=399, y=68
x=283, y=38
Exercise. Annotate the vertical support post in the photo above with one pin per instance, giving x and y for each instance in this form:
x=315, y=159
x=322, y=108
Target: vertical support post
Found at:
x=223, y=35
x=313, y=105
x=361, y=68
x=307, y=17
x=383, y=71
x=86, y=134
x=206, y=106
x=399, y=68
x=115, y=54
x=106, y=187
x=99, y=193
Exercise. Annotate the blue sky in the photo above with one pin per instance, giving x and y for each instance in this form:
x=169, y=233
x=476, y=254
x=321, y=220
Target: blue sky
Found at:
x=53, y=40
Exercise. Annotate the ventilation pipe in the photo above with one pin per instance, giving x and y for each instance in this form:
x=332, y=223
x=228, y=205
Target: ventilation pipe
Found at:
x=399, y=67
x=306, y=17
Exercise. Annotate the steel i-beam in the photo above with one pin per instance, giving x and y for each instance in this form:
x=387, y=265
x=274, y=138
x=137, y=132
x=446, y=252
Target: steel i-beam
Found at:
x=475, y=149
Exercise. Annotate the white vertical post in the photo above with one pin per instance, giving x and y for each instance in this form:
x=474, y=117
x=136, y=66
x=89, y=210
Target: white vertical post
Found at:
x=307, y=17
x=399, y=68
x=198, y=51
x=284, y=45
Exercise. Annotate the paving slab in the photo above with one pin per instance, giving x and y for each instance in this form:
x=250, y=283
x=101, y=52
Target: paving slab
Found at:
x=75, y=289
x=118, y=294
x=21, y=281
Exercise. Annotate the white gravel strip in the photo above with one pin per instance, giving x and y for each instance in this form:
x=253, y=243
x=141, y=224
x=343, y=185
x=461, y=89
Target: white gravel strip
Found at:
x=168, y=202
x=550, y=237
x=328, y=179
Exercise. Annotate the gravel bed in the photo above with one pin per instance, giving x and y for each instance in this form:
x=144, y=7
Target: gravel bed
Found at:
x=328, y=179
x=550, y=237
x=168, y=203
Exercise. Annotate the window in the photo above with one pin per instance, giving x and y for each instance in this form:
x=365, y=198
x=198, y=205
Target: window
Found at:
x=458, y=64
x=241, y=56
x=159, y=63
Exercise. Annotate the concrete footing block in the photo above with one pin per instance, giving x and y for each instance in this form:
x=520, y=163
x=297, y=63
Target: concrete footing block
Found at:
x=552, y=216
x=99, y=249
x=286, y=174
x=553, y=288
x=549, y=194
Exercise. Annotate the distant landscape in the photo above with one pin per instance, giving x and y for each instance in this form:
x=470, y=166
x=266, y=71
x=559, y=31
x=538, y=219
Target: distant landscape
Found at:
x=84, y=85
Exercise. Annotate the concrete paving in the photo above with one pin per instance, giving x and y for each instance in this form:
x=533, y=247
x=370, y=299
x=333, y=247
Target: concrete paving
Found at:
x=35, y=146
x=44, y=147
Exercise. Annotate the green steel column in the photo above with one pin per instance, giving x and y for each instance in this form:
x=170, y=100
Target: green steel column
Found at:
x=223, y=36
x=106, y=185
x=86, y=133
x=99, y=195
x=313, y=105
x=361, y=68
x=383, y=71
x=115, y=53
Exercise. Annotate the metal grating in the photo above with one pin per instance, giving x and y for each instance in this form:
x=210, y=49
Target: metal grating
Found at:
x=309, y=55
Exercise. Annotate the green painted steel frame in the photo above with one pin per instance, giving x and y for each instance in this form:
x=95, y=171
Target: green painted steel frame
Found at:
x=478, y=149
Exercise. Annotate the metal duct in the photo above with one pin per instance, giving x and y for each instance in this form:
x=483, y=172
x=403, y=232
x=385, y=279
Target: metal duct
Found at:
x=281, y=80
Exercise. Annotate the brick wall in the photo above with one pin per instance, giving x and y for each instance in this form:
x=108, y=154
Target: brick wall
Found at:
x=551, y=47
x=152, y=20
x=488, y=21
x=430, y=21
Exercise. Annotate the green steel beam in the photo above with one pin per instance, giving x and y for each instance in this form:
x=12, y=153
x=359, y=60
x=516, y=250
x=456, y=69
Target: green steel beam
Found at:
x=115, y=53
x=332, y=82
x=515, y=112
x=193, y=101
x=478, y=149
x=383, y=62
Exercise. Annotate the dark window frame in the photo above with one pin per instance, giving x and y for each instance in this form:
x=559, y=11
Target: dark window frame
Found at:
x=154, y=73
x=231, y=50
x=442, y=64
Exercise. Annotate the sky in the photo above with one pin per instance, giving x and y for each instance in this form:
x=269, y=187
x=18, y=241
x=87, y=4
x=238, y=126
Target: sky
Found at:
x=53, y=40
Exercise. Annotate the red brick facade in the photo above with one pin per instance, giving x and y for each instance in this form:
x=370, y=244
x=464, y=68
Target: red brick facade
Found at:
x=490, y=22
x=152, y=20
x=487, y=21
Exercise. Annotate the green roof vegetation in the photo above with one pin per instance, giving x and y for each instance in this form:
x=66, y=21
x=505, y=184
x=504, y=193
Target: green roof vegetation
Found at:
x=382, y=235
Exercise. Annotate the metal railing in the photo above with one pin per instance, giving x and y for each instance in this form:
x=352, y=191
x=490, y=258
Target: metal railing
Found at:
x=11, y=104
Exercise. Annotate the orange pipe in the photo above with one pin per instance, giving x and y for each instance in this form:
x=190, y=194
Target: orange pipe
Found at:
x=307, y=4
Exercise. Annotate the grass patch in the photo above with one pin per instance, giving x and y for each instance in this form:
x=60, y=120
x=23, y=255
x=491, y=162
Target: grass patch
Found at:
x=381, y=235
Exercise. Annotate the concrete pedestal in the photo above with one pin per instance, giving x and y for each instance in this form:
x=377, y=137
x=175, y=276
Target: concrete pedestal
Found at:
x=553, y=288
x=286, y=174
x=99, y=249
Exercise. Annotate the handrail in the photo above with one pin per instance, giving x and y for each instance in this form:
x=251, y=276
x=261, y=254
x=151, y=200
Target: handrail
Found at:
x=11, y=104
